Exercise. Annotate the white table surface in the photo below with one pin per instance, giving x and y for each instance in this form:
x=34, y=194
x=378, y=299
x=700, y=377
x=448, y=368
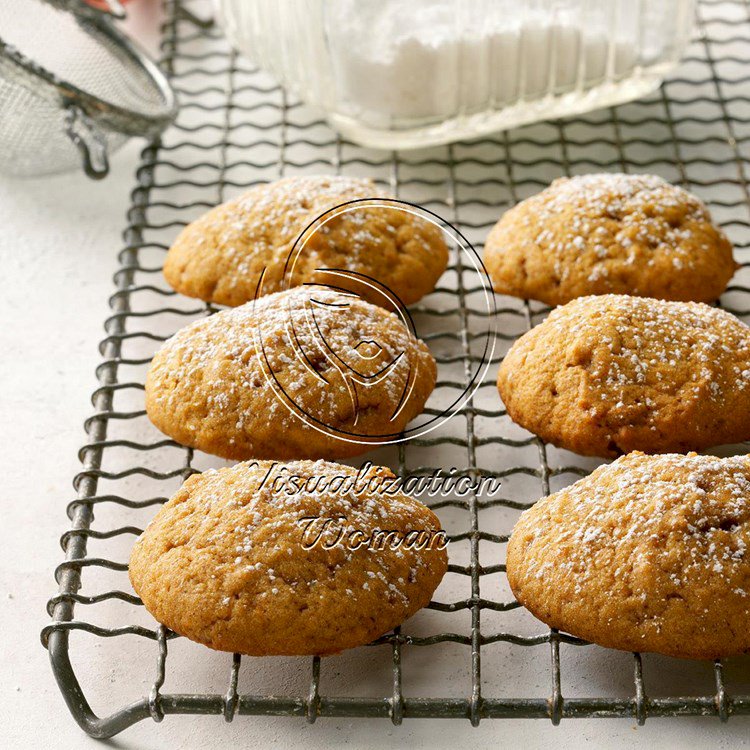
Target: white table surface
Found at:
x=58, y=245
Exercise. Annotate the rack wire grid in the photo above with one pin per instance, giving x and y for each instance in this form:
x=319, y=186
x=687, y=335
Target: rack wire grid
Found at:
x=474, y=653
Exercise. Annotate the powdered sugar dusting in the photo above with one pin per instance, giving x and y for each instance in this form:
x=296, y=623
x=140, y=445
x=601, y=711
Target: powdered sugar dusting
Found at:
x=638, y=350
x=648, y=212
x=251, y=527
x=338, y=358
x=671, y=521
x=287, y=206
x=256, y=232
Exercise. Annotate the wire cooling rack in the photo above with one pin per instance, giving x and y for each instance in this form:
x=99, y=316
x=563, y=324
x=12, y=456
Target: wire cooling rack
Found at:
x=473, y=654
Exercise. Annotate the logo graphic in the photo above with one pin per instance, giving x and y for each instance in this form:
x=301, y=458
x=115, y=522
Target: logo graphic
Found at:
x=357, y=366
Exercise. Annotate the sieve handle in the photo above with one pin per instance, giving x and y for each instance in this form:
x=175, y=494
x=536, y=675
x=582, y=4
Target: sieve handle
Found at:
x=88, y=140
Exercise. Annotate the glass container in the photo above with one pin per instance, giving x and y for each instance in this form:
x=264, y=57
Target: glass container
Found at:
x=394, y=74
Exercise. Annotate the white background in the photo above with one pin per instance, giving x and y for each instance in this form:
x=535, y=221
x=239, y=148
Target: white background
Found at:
x=58, y=245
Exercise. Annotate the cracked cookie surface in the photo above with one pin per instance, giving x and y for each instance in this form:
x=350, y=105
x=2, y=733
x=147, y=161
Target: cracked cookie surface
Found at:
x=609, y=233
x=307, y=373
x=226, y=561
x=649, y=553
x=220, y=256
x=607, y=375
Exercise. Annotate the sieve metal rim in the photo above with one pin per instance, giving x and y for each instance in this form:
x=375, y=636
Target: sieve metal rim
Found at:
x=20, y=69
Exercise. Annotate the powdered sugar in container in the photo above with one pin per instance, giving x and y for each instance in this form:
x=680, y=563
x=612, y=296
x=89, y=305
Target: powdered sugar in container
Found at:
x=396, y=74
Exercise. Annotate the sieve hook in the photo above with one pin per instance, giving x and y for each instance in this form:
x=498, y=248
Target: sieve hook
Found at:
x=88, y=140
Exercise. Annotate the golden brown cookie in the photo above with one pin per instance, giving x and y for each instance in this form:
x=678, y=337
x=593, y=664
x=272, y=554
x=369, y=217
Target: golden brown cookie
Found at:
x=612, y=374
x=603, y=233
x=220, y=256
x=649, y=553
x=307, y=373
x=240, y=561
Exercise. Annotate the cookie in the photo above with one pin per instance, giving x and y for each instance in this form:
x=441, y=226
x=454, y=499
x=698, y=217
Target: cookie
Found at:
x=611, y=374
x=649, y=553
x=307, y=373
x=242, y=559
x=609, y=233
x=221, y=256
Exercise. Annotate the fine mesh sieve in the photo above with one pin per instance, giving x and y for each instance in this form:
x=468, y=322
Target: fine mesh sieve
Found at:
x=72, y=88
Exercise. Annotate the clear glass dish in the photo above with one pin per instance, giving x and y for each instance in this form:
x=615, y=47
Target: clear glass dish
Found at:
x=394, y=74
